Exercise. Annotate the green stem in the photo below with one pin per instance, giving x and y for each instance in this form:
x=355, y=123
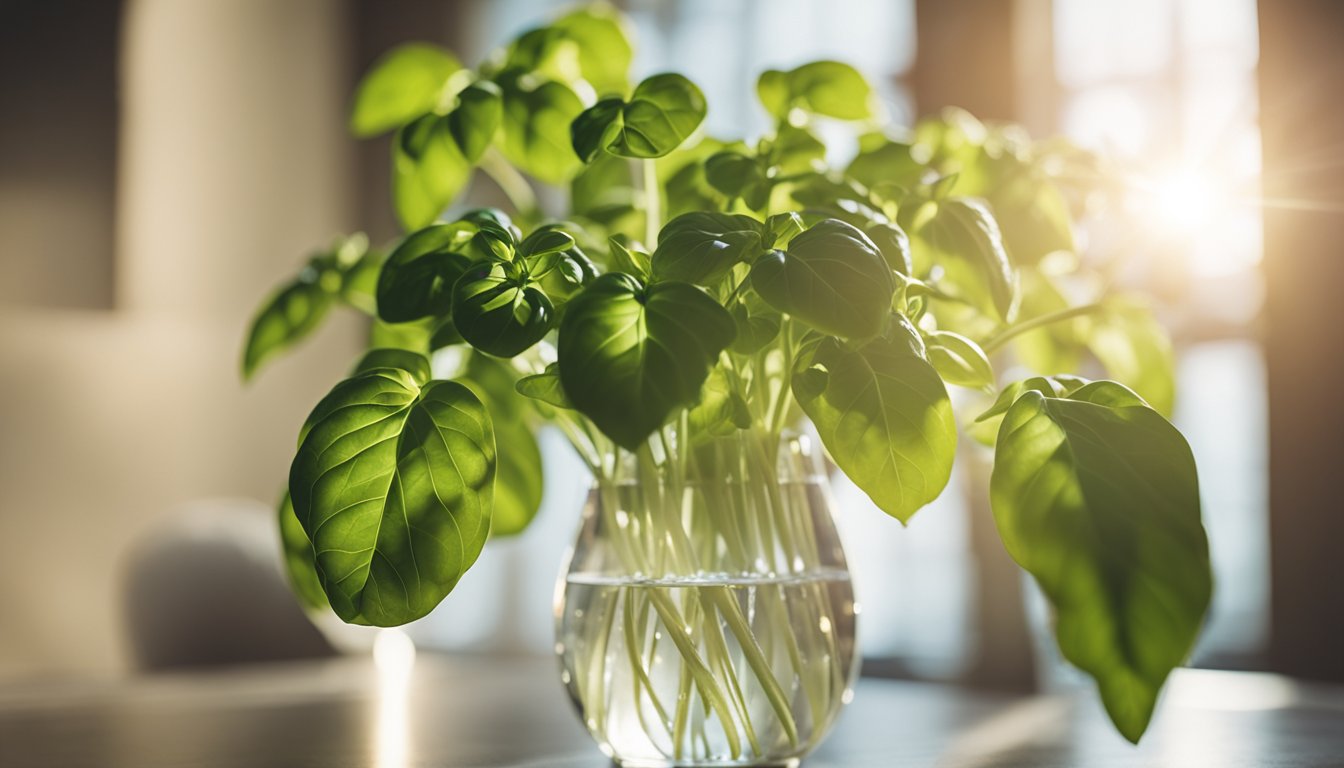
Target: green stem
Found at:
x=512, y=183
x=653, y=203
x=1013, y=331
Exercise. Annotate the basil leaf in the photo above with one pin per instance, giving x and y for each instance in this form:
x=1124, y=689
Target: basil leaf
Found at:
x=297, y=551
x=631, y=354
x=885, y=162
x=518, y=478
x=962, y=237
x=536, y=128
x=414, y=363
x=757, y=325
x=662, y=113
x=1096, y=495
x=404, y=84
x=1135, y=350
x=545, y=387
x=831, y=277
x=289, y=316
x=883, y=414
x=737, y=175
x=417, y=280
x=702, y=247
x=393, y=483
x=596, y=128
x=499, y=311
x=959, y=360
x=476, y=119
x=428, y=170
x=827, y=88
x=605, y=51
x=892, y=241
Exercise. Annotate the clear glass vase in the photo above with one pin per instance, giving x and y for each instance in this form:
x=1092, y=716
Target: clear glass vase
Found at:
x=705, y=616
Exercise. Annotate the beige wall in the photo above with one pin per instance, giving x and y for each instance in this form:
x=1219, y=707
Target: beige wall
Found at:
x=233, y=163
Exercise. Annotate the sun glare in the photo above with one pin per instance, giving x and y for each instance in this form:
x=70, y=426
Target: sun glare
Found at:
x=1186, y=202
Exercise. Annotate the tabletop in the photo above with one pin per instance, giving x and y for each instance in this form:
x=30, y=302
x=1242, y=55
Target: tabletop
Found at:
x=489, y=712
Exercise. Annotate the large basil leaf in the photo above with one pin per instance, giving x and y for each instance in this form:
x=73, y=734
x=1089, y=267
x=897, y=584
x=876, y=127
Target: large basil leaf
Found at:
x=536, y=127
x=518, y=479
x=499, y=311
x=1095, y=494
x=393, y=483
x=428, y=170
x=662, y=113
x=832, y=277
x=417, y=280
x=404, y=84
x=298, y=557
x=883, y=414
x=960, y=236
x=702, y=247
x=631, y=354
x=828, y=88
x=474, y=122
x=290, y=315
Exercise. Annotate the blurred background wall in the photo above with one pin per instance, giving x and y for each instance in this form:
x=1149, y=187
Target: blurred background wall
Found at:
x=125, y=295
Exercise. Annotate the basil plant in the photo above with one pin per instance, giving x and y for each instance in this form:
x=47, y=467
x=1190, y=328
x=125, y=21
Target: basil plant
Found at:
x=926, y=292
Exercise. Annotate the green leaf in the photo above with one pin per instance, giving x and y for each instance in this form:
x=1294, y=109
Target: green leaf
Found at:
x=605, y=51
x=721, y=409
x=887, y=163
x=737, y=175
x=1136, y=350
x=630, y=355
x=475, y=121
x=536, y=127
x=428, y=170
x=961, y=237
x=883, y=414
x=290, y=315
x=959, y=360
x=793, y=149
x=393, y=483
x=757, y=325
x=828, y=88
x=417, y=280
x=298, y=558
x=545, y=387
x=832, y=277
x=518, y=479
x=499, y=311
x=702, y=247
x=1096, y=495
x=629, y=259
x=413, y=363
x=892, y=241
x=596, y=128
x=404, y=84
x=662, y=113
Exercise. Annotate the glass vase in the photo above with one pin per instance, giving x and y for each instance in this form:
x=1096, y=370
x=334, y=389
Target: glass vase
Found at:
x=705, y=615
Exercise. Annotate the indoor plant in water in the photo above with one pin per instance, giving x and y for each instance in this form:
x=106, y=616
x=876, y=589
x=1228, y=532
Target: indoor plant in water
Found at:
x=705, y=319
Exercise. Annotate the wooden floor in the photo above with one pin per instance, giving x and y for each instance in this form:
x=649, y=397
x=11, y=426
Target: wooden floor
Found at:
x=502, y=713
